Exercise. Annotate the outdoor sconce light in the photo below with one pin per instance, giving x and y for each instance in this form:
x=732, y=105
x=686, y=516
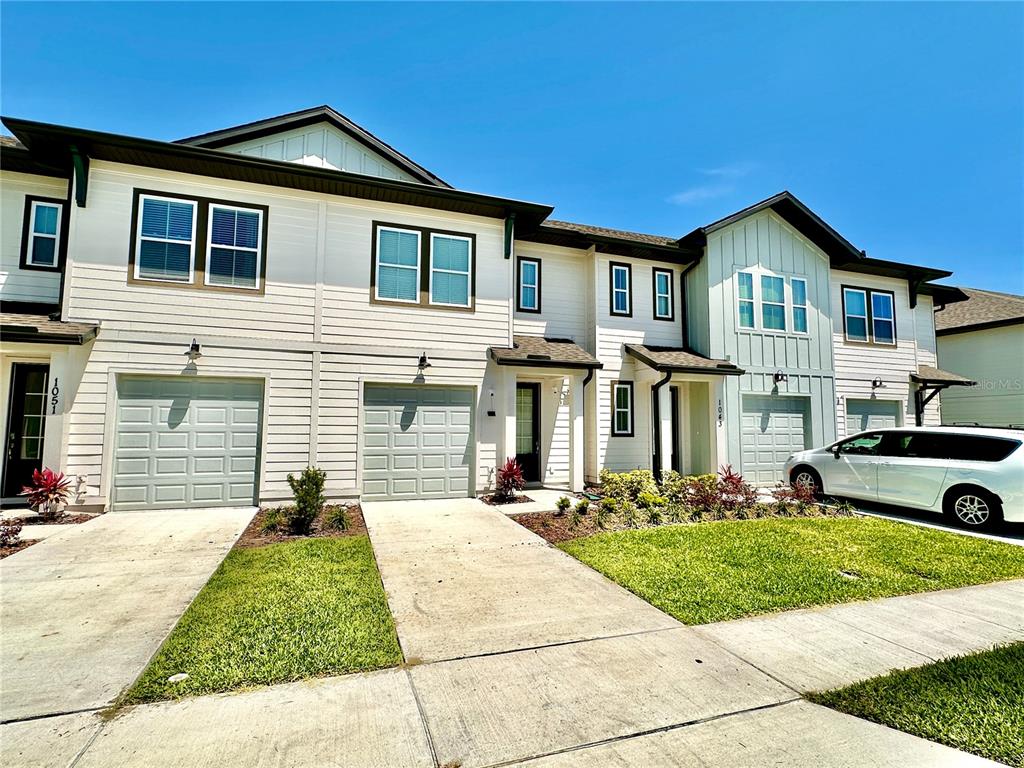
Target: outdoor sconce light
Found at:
x=779, y=376
x=193, y=351
x=492, y=412
x=423, y=363
x=877, y=383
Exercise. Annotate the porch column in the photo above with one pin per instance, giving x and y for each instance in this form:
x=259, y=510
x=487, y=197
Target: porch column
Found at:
x=718, y=433
x=576, y=436
x=665, y=426
x=507, y=412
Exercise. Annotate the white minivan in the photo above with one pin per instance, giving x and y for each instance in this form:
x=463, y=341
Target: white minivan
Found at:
x=974, y=475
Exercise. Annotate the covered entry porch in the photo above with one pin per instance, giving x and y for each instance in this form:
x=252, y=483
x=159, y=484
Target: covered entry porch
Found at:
x=539, y=404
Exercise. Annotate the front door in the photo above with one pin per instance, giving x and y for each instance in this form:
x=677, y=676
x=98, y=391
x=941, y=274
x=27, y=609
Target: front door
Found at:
x=26, y=421
x=528, y=430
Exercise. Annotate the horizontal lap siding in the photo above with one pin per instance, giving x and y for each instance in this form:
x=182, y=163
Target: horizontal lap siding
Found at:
x=17, y=284
x=992, y=357
x=563, y=294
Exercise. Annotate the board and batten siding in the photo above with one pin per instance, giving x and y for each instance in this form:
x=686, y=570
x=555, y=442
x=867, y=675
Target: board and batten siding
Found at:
x=858, y=364
x=993, y=358
x=765, y=244
x=321, y=145
x=17, y=284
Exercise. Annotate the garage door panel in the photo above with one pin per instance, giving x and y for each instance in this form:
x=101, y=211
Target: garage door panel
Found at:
x=773, y=428
x=862, y=415
x=416, y=441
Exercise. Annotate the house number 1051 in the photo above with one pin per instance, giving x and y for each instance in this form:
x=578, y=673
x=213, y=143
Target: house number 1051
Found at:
x=54, y=397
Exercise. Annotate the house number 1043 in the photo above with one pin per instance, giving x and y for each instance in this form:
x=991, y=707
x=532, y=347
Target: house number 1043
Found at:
x=721, y=413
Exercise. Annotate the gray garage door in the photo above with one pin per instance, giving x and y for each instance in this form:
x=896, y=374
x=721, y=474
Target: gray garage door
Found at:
x=773, y=428
x=417, y=442
x=871, y=414
x=186, y=442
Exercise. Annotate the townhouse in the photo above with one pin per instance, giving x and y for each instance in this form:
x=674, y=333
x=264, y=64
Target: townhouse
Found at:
x=186, y=323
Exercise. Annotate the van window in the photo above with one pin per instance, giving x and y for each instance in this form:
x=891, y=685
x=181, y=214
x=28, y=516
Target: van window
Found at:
x=950, y=447
x=863, y=445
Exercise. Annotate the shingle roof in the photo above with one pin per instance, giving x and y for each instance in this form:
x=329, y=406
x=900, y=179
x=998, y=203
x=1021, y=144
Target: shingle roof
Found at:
x=680, y=359
x=28, y=328
x=621, y=234
x=981, y=308
x=538, y=351
x=929, y=373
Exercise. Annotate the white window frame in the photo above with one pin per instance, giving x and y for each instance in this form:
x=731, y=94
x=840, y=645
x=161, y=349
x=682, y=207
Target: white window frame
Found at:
x=892, y=320
x=628, y=290
x=210, y=246
x=866, y=316
x=752, y=300
x=763, y=302
x=192, y=244
x=32, y=235
x=628, y=386
x=419, y=259
x=468, y=273
x=794, y=306
x=669, y=294
x=535, y=285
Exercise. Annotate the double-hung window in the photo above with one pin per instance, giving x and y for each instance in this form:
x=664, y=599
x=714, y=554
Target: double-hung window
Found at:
x=664, y=306
x=165, y=250
x=451, y=259
x=622, y=409
x=528, y=296
x=233, y=254
x=798, y=286
x=745, y=294
x=773, y=303
x=869, y=316
x=398, y=265
x=621, y=279
x=41, y=238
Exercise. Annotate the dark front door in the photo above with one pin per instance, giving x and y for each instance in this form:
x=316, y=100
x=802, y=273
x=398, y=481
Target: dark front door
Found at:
x=528, y=430
x=677, y=464
x=26, y=419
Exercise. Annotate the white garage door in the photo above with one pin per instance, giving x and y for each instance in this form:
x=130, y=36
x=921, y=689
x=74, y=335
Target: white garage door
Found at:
x=186, y=442
x=773, y=428
x=862, y=415
x=417, y=442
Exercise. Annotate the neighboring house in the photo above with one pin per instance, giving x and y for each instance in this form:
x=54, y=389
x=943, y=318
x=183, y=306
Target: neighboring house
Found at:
x=187, y=323
x=983, y=338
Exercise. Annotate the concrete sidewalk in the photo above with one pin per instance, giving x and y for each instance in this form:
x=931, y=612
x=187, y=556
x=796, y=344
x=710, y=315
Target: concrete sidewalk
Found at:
x=84, y=610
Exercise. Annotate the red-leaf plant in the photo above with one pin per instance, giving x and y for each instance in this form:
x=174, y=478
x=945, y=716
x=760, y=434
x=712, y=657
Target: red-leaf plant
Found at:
x=510, y=479
x=48, y=492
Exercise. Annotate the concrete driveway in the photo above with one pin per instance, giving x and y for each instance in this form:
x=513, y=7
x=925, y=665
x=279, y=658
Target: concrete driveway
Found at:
x=84, y=610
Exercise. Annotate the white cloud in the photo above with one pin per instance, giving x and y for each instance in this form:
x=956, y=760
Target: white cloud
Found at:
x=719, y=185
x=731, y=171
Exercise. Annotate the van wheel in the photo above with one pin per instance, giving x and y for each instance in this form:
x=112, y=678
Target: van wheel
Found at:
x=972, y=507
x=807, y=478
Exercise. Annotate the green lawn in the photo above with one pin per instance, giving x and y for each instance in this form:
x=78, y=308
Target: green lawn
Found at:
x=716, y=571
x=278, y=613
x=974, y=703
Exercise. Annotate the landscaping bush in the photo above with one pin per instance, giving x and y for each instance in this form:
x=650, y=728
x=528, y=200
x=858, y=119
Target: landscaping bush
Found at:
x=606, y=510
x=308, y=489
x=48, y=493
x=582, y=507
x=562, y=505
x=509, y=479
x=10, y=531
x=627, y=486
x=336, y=518
x=273, y=520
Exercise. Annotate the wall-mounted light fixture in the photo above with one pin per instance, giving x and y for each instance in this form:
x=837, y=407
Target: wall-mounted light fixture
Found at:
x=491, y=411
x=193, y=353
x=877, y=383
x=423, y=364
x=779, y=377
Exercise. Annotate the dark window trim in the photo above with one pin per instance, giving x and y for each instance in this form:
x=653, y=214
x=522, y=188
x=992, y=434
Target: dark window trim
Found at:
x=870, y=342
x=632, y=409
x=671, y=316
x=60, y=251
x=611, y=288
x=425, y=267
x=519, y=284
x=199, y=276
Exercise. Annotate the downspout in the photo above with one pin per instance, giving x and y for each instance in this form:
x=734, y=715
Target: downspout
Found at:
x=583, y=395
x=656, y=457
x=684, y=324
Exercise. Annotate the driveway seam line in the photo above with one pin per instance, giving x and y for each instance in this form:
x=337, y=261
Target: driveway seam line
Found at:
x=47, y=715
x=423, y=716
x=87, y=745
x=641, y=734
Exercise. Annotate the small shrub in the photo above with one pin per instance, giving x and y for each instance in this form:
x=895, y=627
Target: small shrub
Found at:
x=575, y=518
x=630, y=514
x=654, y=516
x=10, y=531
x=647, y=500
x=844, y=508
x=677, y=513
x=273, y=520
x=562, y=505
x=673, y=486
x=796, y=501
x=627, y=486
x=509, y=479
x=736, y=493
x=48, y=493
x=308, y=489
x=606, y=510
x=336, y=518
x=582, y=507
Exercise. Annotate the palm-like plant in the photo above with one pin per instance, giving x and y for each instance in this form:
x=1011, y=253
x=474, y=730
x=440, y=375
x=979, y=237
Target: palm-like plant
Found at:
x=47, y=493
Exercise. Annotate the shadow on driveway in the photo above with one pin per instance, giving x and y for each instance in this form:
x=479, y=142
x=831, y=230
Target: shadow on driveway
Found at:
x=1011, y=533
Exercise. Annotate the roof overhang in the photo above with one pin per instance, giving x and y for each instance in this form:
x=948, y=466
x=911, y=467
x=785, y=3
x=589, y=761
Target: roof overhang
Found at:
x=60, y=146
x=19, y=160
x=538, y=352
x=618, y=246
x=40, y=329
x=681, y=360
x=932, y=377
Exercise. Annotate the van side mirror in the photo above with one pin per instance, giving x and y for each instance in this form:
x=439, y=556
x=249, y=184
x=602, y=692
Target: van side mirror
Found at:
x=835, y=451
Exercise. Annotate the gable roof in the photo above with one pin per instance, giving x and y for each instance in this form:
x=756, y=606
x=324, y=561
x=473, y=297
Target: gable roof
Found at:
x=982, y=309
x=322, y=114
x=614, y=241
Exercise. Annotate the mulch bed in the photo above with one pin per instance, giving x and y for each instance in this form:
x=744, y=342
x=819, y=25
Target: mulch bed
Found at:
x=555, y=528
x=495, y=502
x=65, y=520
x=8, y=551
x=252, y=536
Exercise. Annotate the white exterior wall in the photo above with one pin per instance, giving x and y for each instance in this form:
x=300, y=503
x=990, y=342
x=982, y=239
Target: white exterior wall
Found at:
x=563, y=294
x=314, y=337
x=993, y=357
x=321, y=145
x=17, y=284
x=858, y=364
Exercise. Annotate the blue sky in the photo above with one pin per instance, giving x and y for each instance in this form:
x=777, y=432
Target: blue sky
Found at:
x=901, y=124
